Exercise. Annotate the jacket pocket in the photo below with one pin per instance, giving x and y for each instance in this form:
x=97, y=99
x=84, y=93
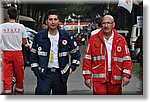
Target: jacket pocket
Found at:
x=118, y=70
x=119, y=67
x=96, y=66
x=97, y=69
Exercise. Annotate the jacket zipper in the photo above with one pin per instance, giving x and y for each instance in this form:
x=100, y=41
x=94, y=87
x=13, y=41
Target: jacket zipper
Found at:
x=105, y=65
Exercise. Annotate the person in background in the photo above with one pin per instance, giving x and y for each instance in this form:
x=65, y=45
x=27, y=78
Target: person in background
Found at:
x=139, y=50
x=98, y=26
x=49, y=57
x=44, y=26
x=107, y=65
x=12, y=37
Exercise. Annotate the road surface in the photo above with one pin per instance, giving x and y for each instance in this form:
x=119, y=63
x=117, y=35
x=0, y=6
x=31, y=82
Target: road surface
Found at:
x=76, y=83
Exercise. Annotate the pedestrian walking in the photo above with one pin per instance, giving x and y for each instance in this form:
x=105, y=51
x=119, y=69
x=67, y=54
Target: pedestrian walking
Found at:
x=12, y=37
x=107, y=65
x=54, y=55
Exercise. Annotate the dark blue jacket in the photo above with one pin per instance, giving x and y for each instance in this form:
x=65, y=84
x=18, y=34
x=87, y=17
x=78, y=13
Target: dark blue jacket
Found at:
x=40, y=51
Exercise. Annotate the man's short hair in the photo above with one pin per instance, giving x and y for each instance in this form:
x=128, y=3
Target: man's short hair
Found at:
x=98, y=20
x=52, y=12
x=12, y=12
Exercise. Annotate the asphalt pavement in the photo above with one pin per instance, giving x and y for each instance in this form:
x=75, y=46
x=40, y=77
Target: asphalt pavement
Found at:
x=76, y=84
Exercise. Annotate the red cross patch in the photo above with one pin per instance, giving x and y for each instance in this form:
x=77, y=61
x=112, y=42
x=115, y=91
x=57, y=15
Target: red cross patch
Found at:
x=119, y=49
x=64, y=42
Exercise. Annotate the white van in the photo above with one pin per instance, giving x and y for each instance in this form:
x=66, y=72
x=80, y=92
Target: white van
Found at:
x=136, y=32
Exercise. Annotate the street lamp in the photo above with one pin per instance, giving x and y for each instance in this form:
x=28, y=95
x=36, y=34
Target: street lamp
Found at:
x=65, y=23
x=78, y=19
x=78, y=24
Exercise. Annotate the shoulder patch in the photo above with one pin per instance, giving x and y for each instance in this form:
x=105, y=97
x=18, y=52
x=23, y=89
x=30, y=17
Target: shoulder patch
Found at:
x=71, y=37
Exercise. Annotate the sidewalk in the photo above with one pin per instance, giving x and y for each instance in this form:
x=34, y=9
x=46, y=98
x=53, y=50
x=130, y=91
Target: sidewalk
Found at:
x=76, y=84
x=135, y=87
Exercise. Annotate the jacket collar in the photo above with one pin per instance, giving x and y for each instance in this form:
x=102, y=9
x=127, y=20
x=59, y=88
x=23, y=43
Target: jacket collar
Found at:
x=116, y=35
x=59, y=30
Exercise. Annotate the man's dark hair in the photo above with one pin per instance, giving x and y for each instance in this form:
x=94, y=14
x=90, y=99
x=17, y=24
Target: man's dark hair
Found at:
x=98, y=20
x=12, y=12
x=52, y=12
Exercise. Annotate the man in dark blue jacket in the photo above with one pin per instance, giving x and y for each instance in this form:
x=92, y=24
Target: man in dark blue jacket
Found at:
x=49, y=57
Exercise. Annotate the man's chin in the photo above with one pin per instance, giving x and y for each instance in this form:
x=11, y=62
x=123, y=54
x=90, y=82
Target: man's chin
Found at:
x=107, y=32
x=53, y=28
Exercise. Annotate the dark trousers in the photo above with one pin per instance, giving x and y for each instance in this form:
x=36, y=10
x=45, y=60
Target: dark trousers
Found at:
x=51, y=84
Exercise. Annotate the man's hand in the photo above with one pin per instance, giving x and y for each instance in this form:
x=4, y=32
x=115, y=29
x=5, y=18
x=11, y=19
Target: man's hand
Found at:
x=70, y=71
x=88, y=83
x=38, y=73
x=125, y=81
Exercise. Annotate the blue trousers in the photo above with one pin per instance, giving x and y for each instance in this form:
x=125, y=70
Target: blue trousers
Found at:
x=51, y=84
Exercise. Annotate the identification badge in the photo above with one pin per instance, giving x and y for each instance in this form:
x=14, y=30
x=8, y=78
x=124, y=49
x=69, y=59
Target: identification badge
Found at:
x=51, y=56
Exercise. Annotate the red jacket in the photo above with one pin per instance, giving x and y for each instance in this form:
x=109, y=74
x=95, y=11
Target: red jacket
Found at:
x=95, y=63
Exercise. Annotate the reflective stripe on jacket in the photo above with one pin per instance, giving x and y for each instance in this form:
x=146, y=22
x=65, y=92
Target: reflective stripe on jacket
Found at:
x=95, y=62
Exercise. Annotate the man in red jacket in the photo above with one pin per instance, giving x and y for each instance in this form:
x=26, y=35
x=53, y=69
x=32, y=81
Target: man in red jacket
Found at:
x=107, y=65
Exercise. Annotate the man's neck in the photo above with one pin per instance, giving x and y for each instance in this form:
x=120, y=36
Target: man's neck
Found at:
x=107, y=36
x=53, y=31
x=12, y=21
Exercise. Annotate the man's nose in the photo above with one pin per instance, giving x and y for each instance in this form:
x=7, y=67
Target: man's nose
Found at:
x=53, y=20
x=105, y=25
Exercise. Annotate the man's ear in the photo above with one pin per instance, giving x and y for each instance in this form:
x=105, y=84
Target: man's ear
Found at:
x=114, y=24
x=46, y=21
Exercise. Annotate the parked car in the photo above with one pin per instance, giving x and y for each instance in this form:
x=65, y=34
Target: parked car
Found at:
x=26, y=50
x=30, y=35
x=29, y=23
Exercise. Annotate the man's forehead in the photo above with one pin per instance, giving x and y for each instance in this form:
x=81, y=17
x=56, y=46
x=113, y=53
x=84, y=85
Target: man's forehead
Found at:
x=52, y=16
x=108, y=17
